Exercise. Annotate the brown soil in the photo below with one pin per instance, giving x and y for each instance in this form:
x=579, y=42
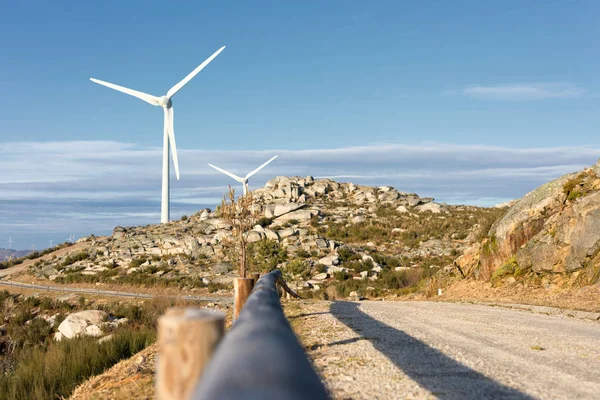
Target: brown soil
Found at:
x=585, y=298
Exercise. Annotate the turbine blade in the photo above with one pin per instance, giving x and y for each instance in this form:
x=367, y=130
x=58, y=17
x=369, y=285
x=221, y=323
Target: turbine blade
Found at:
x=188, y=78
x=237, y=178
x=261, y=167
x=169, y=115
x=148, y=98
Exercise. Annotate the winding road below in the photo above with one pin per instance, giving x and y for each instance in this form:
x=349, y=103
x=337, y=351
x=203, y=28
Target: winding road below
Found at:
x=112, y=292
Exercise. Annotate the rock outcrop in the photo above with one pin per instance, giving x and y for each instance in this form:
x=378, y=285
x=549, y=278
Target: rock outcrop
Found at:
x=555, y=228
x=302, y=215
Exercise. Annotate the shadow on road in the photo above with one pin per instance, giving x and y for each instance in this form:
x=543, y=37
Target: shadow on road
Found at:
x=441, y=375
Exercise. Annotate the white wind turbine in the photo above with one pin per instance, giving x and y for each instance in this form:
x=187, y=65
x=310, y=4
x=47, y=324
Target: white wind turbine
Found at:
x=71, y=238
x=10, y=242
x=244, y=180
x=51, y=241
x=169, y=133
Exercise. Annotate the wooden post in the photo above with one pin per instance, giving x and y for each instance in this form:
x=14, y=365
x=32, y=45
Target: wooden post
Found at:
x=255, y=278
x=186, y=341
x=242, y=288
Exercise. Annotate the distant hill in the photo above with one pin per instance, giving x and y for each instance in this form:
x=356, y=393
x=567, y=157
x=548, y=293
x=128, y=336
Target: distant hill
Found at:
x=7, y=253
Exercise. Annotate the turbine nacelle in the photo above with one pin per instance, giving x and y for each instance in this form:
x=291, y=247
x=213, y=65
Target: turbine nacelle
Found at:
x=165, y=101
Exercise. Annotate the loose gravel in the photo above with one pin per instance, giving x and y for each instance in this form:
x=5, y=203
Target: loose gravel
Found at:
x=426, y=350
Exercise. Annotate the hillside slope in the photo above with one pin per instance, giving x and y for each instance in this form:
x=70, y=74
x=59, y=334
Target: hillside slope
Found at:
x=317, y=231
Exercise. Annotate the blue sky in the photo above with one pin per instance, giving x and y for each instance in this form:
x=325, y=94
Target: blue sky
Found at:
x=480, y=82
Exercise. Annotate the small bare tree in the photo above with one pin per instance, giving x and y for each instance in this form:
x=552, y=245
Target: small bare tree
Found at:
x=242, y=216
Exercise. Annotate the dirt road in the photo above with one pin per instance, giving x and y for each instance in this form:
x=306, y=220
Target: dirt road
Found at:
x=398, y=350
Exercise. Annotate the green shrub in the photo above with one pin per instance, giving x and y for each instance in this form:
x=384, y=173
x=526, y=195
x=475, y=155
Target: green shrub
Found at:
x=320, y=268
x=71, y=259
x=346, y=254
x=136, y=262
x=213, y=287
x=265, y=255
x=302, y=253
x=574, y=194
x=264, y=221
x=508, y=268
x=297, y=268
x=340, y=275
x=314, y=221
x=360, y=266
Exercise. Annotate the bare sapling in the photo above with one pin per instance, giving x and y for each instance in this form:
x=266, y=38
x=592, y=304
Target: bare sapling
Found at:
x=242, y=216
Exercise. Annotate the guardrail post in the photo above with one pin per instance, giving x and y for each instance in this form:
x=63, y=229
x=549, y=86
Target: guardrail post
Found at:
x=242, y=288
x=255, y=278
x=186, y=339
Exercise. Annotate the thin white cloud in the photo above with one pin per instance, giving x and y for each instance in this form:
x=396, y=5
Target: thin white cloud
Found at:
x=58, y=188
x=524, y=91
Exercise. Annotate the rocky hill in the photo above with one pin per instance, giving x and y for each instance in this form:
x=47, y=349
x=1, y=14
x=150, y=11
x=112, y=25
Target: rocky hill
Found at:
x=553, y=230
x=315, y=230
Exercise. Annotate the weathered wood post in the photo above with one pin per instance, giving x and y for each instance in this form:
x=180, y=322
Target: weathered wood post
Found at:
x=187, y=339
x=255, y=278
x=242, y=288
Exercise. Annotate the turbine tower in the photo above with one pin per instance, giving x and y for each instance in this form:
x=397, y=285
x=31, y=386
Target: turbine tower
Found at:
x=169, y=134
x=244, y=180
x=10, y=242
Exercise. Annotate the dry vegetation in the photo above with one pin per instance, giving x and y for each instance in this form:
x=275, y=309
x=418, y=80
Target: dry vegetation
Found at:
x=34, y=366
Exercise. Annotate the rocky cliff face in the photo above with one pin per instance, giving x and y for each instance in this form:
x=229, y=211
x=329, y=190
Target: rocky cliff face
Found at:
x=555, y=228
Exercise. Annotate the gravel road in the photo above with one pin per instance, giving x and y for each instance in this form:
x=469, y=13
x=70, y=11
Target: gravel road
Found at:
x=398, y=350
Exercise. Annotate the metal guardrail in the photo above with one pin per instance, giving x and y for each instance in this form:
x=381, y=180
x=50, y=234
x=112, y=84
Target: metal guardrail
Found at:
x=260, y=357
x=112, y=292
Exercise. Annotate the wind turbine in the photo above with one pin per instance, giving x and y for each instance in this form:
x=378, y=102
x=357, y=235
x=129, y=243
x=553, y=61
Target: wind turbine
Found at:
x=51, y=241
x=71, y=238
x=244, y=180
x=169, y=134
x=10, y=242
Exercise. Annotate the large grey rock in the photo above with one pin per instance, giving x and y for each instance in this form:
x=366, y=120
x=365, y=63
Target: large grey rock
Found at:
x=320, y=277
x=546, y=231
x=329, y=260
x=357, y=219
x=271, y=234
x=413, y=201
x=300, y=215
x=522, y=222
x=402, y=209
x=276, y=210
x=431, y=207
x=255, y=236
x=76, y=324
x=571, y=243
x=321, y=243
x=285, y=233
